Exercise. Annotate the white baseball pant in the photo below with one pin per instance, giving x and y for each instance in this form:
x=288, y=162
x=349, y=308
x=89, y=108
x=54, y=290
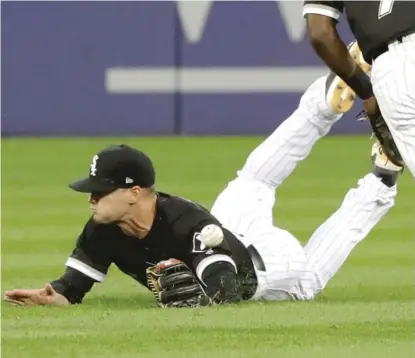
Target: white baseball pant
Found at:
x=393, y=80
x=245, y=207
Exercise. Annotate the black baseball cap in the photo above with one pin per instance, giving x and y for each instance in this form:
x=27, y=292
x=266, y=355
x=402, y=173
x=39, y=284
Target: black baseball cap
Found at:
x=116, y=167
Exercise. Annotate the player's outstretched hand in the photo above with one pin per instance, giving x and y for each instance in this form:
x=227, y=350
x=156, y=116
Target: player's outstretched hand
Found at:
x=29, y=297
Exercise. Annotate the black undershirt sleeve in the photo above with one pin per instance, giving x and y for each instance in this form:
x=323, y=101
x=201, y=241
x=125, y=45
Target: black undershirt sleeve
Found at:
x=222, y=283
x=73, y=285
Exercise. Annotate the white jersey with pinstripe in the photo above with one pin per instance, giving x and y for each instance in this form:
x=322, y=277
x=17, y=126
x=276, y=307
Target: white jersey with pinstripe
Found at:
x=393, y=72
x=245, y=207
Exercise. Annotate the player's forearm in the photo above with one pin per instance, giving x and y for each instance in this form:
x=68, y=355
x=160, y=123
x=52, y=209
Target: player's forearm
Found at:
x=66, y=292
x=73, y=285
x=332, y=50
x=222, y=283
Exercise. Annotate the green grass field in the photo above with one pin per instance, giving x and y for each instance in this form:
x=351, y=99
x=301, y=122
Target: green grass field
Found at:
x=366, y=311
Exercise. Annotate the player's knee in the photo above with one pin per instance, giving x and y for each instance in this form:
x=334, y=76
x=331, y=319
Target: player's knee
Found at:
x=311, y=287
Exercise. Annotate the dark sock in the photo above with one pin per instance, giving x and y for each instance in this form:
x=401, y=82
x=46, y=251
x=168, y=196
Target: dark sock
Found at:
x=388, y=177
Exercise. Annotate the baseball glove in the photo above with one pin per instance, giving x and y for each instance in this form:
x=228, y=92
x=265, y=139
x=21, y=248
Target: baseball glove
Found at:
x=383, y=135
x=174, y=285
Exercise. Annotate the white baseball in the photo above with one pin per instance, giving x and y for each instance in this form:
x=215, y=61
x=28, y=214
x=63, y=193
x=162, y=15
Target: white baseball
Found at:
x=211, y=235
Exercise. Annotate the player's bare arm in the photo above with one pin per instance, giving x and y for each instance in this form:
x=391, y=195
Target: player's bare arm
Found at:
x=327, y=43
x=325, y=40
x=322, y=18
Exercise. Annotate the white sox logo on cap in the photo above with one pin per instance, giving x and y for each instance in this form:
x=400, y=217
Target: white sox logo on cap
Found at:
x=94, y=165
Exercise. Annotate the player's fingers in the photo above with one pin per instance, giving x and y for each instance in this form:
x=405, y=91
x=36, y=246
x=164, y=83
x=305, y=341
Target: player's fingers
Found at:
x=10, y=295
x=176, y=279
x=17, y=294
x=32, y=301
x=9, y=292
x=49, y=290
x=29, y=301
x=13, y=302
x=180, y=293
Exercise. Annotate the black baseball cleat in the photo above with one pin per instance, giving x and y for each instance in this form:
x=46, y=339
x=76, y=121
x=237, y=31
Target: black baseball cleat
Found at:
x=383, y=168
x=339, y=96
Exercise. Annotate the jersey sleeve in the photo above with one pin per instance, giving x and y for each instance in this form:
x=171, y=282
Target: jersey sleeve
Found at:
x=73, y=285
x=211, y=256
x=90, y=256
x=217, y=269
x=331, y=9
x=189, y=226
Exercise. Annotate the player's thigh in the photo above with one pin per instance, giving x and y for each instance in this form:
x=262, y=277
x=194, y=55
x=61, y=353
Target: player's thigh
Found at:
x=394, y=87
x=393, y=79
x=286, y=267
x=244, y=206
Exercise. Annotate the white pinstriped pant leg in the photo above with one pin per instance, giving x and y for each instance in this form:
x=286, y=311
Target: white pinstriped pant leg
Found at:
x=331, y=244
x=276, y=158
x=393, y=79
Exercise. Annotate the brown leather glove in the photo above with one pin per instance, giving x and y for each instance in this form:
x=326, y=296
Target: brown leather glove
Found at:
x=174, y=285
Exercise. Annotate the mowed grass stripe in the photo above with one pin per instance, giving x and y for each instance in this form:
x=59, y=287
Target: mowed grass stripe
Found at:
x=369, y=350
x=375, y=350
x=370, y=293
x=187, y=339
x=124, y=314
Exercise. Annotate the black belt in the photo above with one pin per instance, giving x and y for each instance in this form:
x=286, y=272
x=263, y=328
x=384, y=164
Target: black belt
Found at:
x=381, y=49
x=256, y=258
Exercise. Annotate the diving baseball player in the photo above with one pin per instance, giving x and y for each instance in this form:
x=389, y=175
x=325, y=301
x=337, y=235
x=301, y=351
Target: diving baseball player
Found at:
x=188, y=256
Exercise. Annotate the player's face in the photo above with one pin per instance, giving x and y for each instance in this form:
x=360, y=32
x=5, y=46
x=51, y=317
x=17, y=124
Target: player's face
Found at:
x=110, y=207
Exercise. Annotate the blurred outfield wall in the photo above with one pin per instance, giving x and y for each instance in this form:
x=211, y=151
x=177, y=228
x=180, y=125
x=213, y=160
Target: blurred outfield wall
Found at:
x=155, y=68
